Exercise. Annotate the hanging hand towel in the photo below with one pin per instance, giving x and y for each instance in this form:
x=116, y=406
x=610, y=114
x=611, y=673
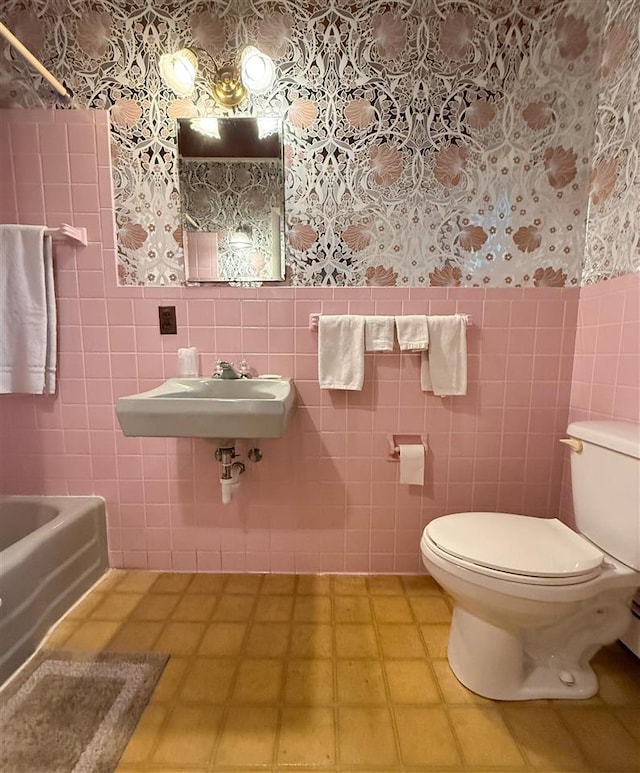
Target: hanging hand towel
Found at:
x=378, y=334
x=341, y=351
x=27, y=311
x=413, y=333
x=443, y=369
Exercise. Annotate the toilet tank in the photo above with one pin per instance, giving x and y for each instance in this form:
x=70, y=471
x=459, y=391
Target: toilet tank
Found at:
x=605, y=480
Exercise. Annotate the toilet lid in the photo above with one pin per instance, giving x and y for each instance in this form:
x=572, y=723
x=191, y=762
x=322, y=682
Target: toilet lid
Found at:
x=517, y=544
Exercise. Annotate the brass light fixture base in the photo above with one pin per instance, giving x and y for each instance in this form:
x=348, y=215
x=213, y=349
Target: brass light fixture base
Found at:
x=228, y=89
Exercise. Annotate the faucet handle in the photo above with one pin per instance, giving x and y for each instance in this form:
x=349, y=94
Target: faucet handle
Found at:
x=220, y=366
x=245, y=370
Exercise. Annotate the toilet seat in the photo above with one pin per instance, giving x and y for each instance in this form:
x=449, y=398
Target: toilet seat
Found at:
x=523, y=549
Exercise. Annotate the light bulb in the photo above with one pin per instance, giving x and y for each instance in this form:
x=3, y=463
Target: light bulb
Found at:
x=208, y=127
x=258, y=70
x=179, y=71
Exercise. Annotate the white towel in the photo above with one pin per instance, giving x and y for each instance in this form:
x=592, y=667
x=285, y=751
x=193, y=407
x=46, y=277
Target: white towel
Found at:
x=27, y=311
x=341, y=351
x=378, y=334
x=413, y=332
x=443, y=369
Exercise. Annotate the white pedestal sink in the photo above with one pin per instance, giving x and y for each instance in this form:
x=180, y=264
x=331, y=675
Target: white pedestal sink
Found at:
x=209, y=408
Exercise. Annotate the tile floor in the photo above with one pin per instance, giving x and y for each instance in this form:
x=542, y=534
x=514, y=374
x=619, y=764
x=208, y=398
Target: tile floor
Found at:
x=332, y=673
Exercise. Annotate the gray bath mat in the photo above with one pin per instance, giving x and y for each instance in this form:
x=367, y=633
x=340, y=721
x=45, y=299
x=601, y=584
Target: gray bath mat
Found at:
x=73, y=712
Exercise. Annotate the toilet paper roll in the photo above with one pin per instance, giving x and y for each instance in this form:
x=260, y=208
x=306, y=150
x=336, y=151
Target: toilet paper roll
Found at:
x=412, y=464
x=188, y=361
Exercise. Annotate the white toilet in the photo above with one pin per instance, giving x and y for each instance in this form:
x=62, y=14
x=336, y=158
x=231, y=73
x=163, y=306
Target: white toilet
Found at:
x=534, y=600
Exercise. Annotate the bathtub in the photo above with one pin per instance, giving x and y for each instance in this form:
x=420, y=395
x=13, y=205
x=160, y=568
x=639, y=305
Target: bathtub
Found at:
x=52, y=549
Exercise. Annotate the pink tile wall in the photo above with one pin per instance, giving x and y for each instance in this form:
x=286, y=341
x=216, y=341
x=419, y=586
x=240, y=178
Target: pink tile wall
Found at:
x=325, y=497
x=606, y=370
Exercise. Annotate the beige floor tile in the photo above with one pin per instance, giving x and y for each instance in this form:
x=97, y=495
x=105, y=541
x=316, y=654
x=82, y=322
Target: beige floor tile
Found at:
x=312, y=609
x=85, y=606
x=92, y=635
x=452, y=690
x=234, y=608
x=180, y=638
x=259, y=680
x=430, y=609
x=137, y=582
x=411, y=681
x=546, y=742
x=243, y=583
x=156, y=606
x=309, y=640
x=207, y=583
x=350, y=585
x=392, y=609
x=603, y=738
x=307, y=736
x=279, y=584
x=426, y=737
x=60, y=634
x=171, y=680
x=116, y=606
x=248, y=737
x=273, y=609
x=420, y=585
x=288, y=630
x=619, y=688
x=208, y=680
x=136, y=636
x=631, y=720
x=352, y=609
x=171, y=582
x=360, y=681
x=400, y=641
x=223, y=639
x=145, y=735
x=188, y=736
x=436, y=638
x=485, y=738
x=268, y=640
x=385, y=585
x=314, y=584
x=109, y=580
x=356, y=641
x=309, y=682
x=365, y=737
x=160, y=768
x=194, y=607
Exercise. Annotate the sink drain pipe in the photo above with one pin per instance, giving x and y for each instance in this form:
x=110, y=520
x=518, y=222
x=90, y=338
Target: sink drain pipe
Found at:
x=231, y=471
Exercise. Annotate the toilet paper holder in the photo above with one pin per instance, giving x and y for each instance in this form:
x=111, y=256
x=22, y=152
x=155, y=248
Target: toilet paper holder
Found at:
x=395, y=441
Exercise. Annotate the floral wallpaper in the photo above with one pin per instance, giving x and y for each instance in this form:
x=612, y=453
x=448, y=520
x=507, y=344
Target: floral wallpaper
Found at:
x=613, y=234
x=428, y=142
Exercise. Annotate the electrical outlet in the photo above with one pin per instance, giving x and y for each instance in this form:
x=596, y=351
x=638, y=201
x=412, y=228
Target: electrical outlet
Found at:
x=167, y=316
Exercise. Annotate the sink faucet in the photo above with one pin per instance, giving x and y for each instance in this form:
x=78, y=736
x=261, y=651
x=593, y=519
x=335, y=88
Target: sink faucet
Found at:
x=225, y=370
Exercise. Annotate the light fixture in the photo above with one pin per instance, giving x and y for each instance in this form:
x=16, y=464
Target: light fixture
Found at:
x=240, y=240
x=258, y=70
x=267, y=125
x=179, y=71
x=229, y=82
x=207, y=126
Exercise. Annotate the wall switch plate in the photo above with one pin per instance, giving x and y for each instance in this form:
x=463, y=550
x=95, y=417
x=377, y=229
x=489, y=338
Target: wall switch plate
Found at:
x=167, y=316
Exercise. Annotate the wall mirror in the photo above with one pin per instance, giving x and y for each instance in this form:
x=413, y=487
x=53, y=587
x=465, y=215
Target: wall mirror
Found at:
x=232, y=199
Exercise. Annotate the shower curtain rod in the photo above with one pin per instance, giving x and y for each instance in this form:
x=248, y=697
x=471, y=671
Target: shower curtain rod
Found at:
x=35, y=63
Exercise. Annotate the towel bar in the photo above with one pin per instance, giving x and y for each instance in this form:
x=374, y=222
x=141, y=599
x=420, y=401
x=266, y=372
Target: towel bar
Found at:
x=69, y=233
x=315, y=316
